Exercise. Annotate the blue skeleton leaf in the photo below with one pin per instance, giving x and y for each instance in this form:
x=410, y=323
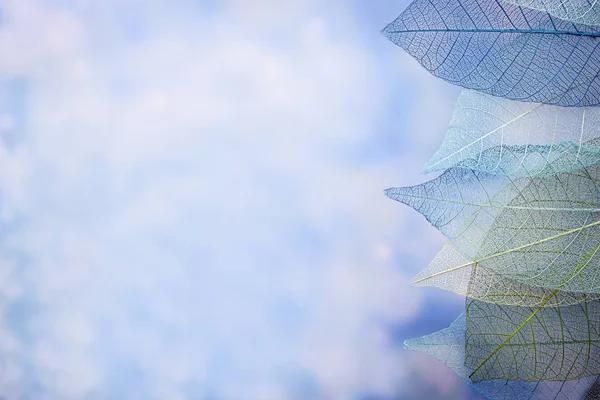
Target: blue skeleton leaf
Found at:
x=503, y=50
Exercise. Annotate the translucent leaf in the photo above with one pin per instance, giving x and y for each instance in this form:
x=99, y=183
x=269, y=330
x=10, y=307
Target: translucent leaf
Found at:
x=543, y=244
x=532, y=343
x=578, y=11
x=503, y=50
x=543, y=231
x=461, y=201
x=480, y=283
x=448, y=346
x=457, y=195
x=500, y=136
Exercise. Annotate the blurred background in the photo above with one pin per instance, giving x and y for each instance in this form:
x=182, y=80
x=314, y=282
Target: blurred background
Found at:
x=191, y=202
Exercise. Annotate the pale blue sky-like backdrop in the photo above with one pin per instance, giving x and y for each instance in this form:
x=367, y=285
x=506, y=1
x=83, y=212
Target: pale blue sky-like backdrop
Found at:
x=191, y=202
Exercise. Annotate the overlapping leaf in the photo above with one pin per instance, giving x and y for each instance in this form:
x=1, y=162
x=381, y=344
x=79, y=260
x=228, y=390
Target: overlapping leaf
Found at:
x=457, y=195
x=578, y=11
x=500, y=136
x=503, y=50
x=520, y=202
x=448, y=346
x=543, y=232
x=532, y=343
x=461, y=200
x=480, y=283
x=549, y=235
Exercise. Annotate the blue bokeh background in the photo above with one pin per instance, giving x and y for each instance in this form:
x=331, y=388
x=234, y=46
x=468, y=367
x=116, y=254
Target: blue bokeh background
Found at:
x=192, y=202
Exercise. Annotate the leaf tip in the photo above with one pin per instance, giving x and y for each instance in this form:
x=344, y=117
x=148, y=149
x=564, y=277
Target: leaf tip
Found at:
x=390, y=192
x=418, y=279
x=387, y=31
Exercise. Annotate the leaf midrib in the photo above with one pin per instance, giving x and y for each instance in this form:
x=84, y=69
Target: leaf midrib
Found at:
x=510, y=251
x=479, y=139
x=552, y=342
x=524, y=31
x=500, y=205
